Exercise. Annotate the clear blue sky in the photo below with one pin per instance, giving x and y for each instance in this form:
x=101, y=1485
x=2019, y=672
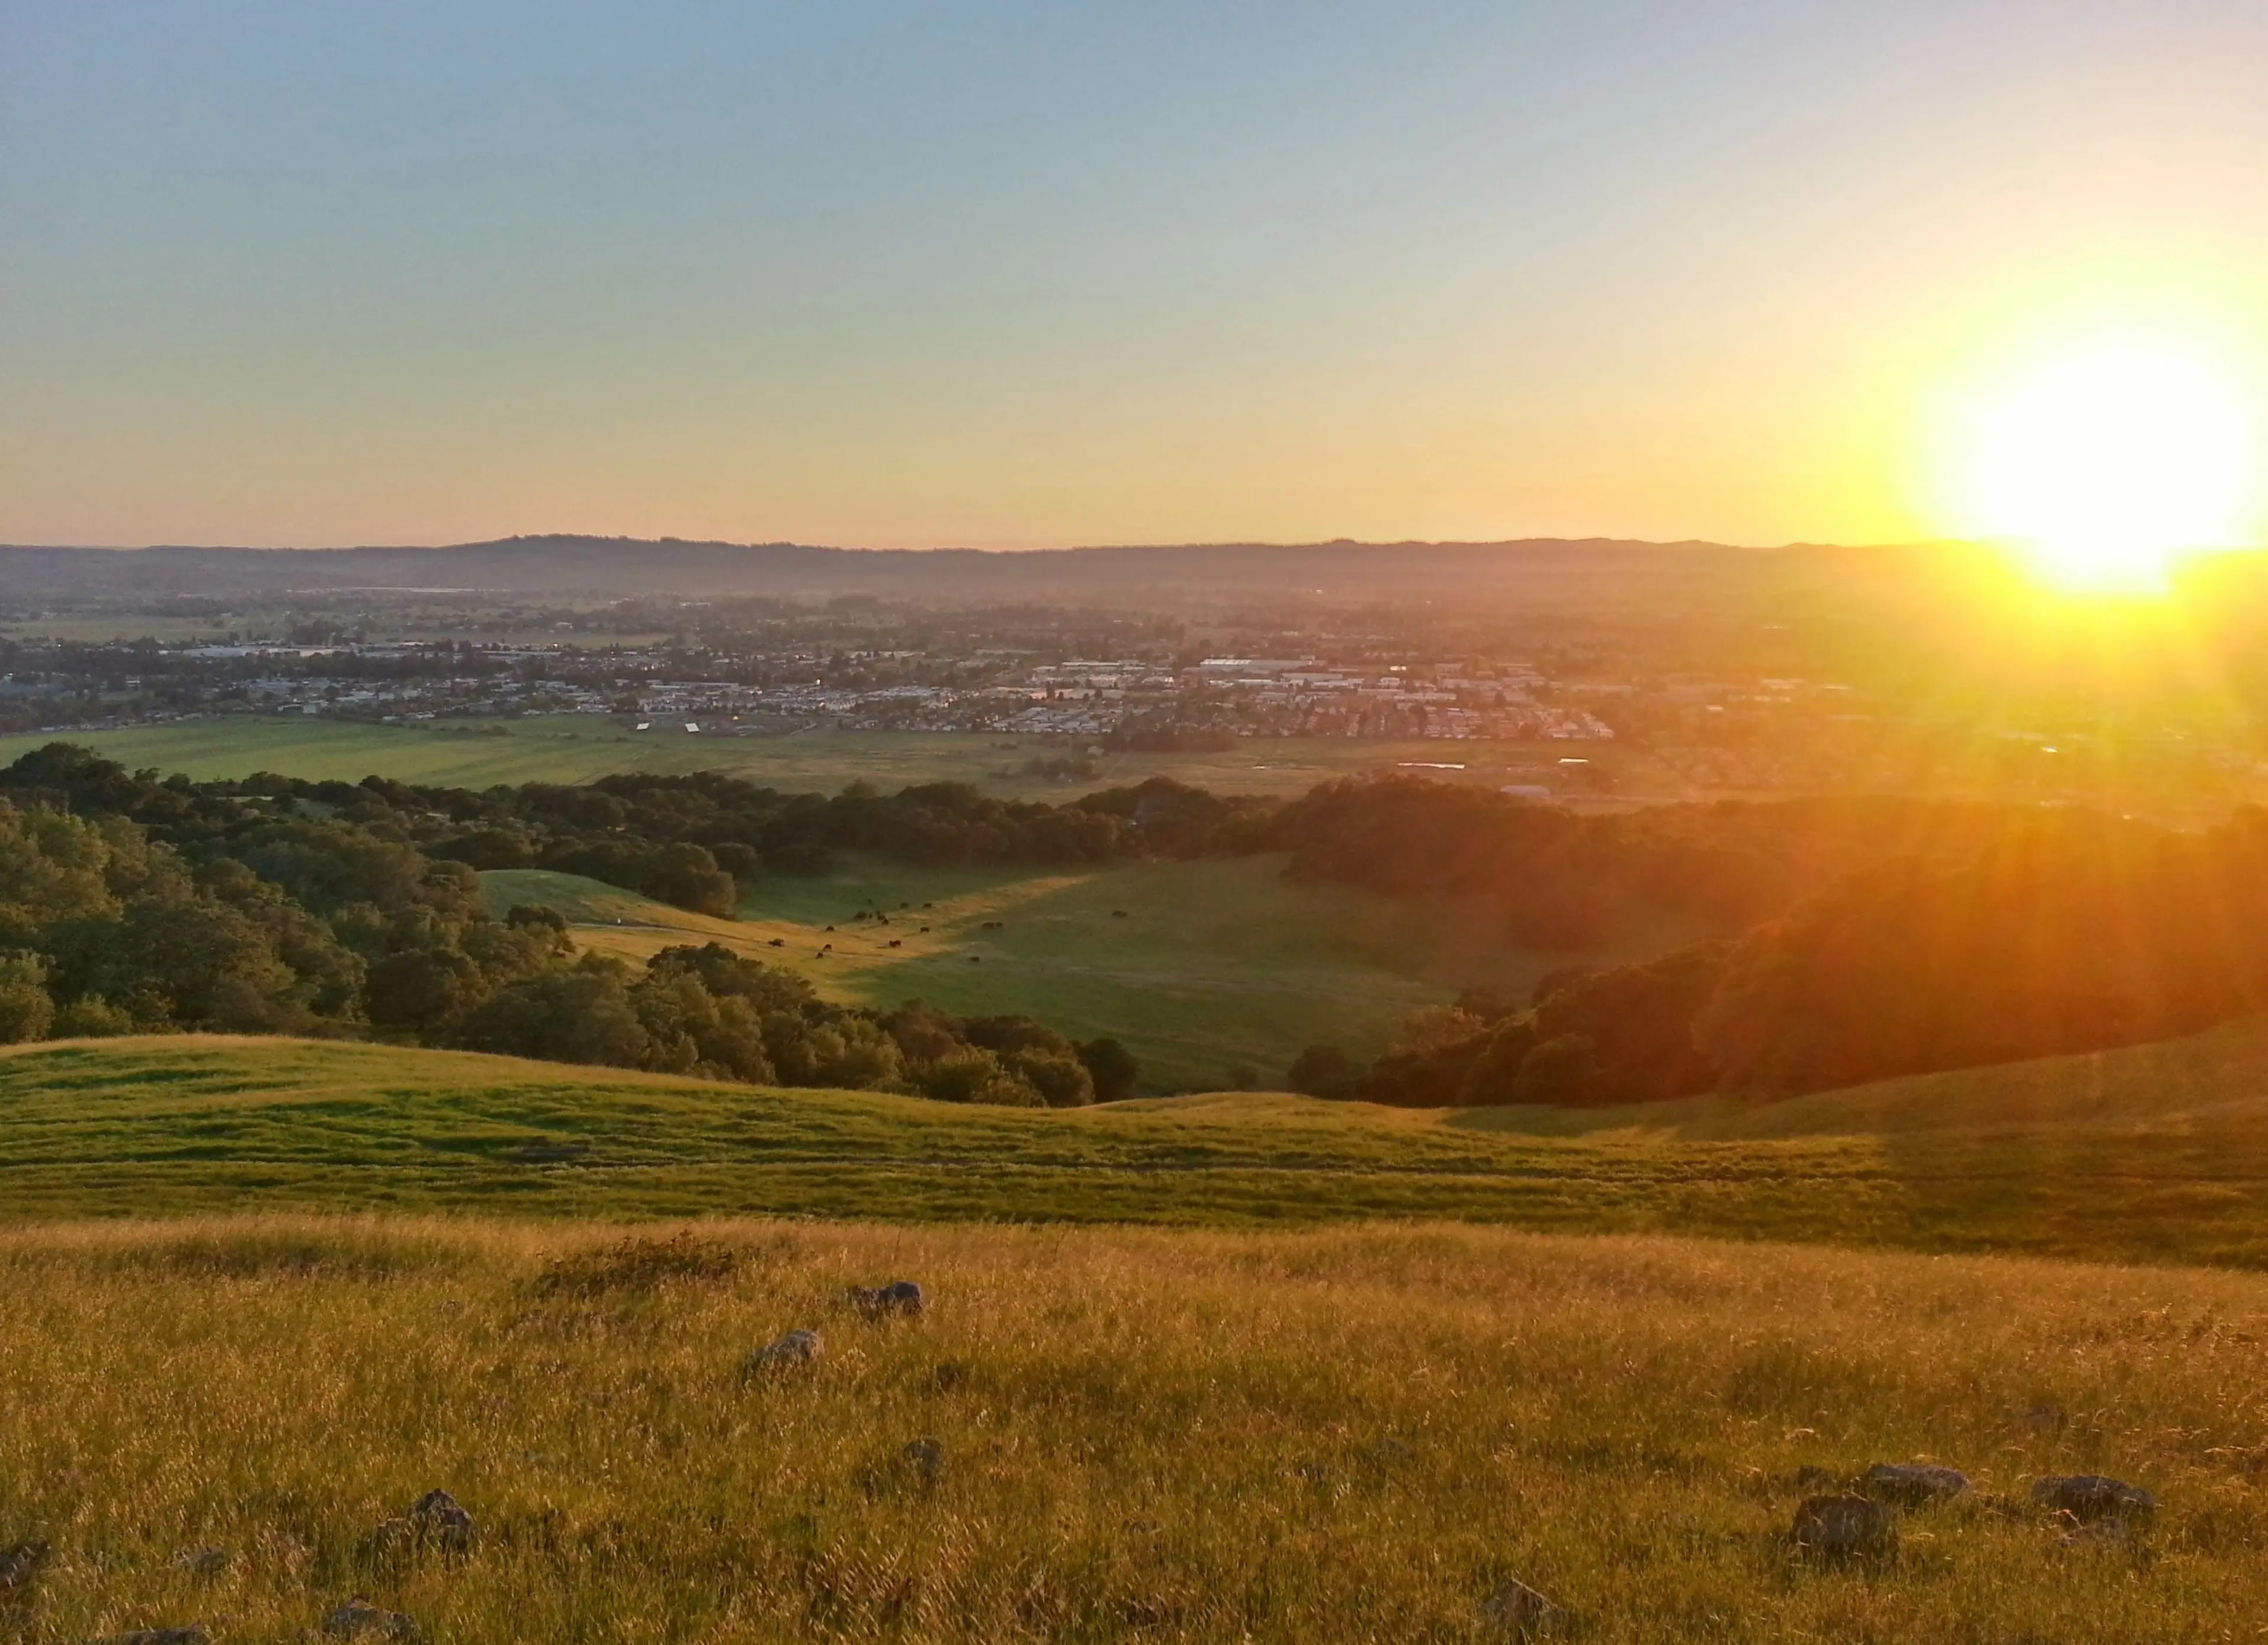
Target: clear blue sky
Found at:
x=1018, y=274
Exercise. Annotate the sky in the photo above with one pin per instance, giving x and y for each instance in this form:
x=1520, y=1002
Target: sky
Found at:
x=892, y=274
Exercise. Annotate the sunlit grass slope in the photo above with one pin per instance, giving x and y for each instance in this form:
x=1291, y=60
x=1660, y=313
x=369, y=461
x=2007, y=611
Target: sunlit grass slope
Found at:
x=189, y=1125
x=1332, y=1435
x=1199, y=966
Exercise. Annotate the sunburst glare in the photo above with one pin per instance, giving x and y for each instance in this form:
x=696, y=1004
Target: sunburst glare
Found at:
x=2104, y=463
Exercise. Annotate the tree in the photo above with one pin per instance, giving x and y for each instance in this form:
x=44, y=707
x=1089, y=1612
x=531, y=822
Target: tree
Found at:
x=1325, y=1071
x=420, y=988
x=27, y=1011
x=977, y=1075
x=1559, y=1073
x=582, y=1014
x=1111, y=1066
x=1059, y=1077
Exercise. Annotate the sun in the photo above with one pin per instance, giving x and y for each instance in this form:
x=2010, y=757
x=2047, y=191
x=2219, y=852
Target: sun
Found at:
x=2105, y=463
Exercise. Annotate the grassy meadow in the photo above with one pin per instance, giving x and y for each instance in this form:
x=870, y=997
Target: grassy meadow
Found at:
x=1141, y=1435
x=575, y=748
x=2158, y=1153
x=1199, y=967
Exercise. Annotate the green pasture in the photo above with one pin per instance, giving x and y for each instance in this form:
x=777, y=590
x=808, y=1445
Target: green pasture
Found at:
x=1199, y=967
x=190, y=1125
x=575, y=748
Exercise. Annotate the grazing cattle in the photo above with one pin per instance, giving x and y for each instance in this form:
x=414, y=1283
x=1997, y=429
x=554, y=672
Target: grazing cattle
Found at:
x=896, y=943
x=779, y=941
x=1118, y=914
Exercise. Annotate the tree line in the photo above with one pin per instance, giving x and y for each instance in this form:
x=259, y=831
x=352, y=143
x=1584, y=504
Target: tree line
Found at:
x=129, y=905
x=1894, y=937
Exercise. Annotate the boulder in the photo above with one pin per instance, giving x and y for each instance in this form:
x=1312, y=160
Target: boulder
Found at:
x=1520, y=1610
x=1913, y=1484
x=442, y=1522
x=359, y=1620
x=925, y=1458
x=195, y=1634
x=901, y=1298
x=1844, y=1528
x=2089, y=1497
x=19, y=1562
x=795, y=1350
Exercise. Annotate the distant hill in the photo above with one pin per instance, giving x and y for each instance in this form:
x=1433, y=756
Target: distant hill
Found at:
x=1542, y=569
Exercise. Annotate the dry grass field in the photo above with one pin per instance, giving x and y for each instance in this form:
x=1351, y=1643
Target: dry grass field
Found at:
x=1353, y=1434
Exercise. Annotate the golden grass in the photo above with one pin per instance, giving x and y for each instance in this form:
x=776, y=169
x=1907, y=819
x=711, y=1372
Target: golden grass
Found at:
x=1348, y=1435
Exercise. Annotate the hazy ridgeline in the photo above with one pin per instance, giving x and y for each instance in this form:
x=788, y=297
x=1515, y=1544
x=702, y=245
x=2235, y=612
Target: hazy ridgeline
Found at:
x=1331, y=1436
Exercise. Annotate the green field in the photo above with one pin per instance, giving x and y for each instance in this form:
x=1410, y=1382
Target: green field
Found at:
x=1199, y=967
x=2154, y=1154
x=575, y=748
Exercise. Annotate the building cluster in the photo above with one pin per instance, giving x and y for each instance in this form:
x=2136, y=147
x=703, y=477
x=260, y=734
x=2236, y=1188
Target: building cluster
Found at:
x=709, y=691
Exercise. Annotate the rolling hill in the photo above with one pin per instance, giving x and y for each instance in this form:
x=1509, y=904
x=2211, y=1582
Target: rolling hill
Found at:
x=2156, y=1153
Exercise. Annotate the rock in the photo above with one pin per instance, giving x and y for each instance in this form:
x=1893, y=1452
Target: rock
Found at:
x=796, y=1349
x=359, y=1620
x=441, y=1523
x=1521, y=1610
x=924, y=1457
x=195, y=1634
x=881, y=1302
x=204, y=1561
x=1844, y=1528
x=1913, y=1484
x=2089, y=1497
x=20, y=1562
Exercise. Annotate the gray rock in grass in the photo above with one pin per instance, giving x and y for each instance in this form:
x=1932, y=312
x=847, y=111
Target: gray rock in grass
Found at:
x=20, y=1562
x=442, y=1522
x=899, y=1298
x=2091, y=1497
x=792, y=1352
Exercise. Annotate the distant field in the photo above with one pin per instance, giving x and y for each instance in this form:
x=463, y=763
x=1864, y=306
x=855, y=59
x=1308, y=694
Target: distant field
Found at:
x=1117, y=1435
x=1212, y=965
x=574, y=748
x=190, y=1125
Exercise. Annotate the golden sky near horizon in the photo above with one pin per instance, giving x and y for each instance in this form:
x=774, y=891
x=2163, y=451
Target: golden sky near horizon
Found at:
x=1011, y=276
